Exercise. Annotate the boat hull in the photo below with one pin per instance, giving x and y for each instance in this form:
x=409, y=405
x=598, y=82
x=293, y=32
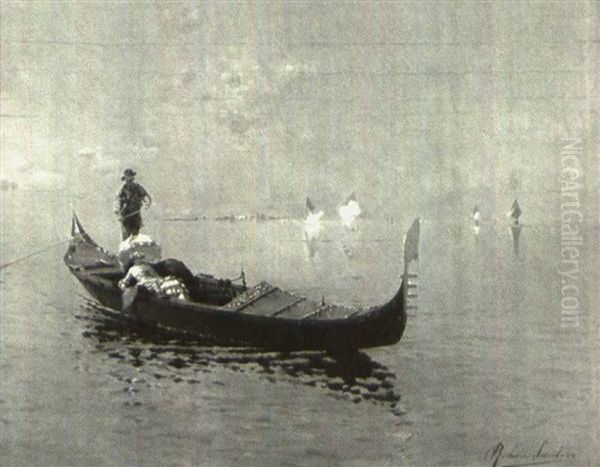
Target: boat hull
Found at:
x=231, y=315
x=379, y=327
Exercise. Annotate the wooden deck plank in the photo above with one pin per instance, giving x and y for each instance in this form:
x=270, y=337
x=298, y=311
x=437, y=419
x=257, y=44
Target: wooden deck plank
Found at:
x=330, y=311
x=289, y=307
x=271, y=303
x=300, y=310
x=250, y=296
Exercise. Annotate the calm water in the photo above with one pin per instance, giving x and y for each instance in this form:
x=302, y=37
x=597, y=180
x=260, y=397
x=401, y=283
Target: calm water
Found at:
x=483, y=359
x=422, y=108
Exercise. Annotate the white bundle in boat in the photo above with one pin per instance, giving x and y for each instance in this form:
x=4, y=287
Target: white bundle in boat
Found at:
x=140, y=245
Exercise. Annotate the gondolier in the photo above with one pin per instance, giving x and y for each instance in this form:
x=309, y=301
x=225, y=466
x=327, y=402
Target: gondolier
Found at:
x=128, y=204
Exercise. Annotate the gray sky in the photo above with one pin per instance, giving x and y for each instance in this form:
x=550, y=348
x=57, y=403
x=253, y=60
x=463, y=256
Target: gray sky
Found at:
x=257, y=105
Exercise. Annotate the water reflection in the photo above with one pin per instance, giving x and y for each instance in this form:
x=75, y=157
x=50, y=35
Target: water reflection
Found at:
x=354, y=377
x=312, y=228
x=515, y=231
x=311, y=247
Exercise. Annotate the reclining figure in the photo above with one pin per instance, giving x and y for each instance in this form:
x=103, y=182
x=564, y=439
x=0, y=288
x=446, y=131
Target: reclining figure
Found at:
x=141, y=274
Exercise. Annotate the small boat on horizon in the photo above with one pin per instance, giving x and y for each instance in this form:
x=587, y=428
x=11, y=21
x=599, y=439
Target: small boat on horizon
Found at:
x=515, y=212
x=476, y=216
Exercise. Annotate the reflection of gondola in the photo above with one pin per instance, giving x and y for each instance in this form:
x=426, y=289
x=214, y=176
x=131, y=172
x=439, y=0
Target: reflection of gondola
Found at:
x=353, y=376
x=260, y=316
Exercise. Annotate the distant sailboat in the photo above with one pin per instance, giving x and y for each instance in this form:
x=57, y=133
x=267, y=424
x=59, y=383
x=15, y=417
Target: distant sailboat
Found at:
x=515, y=212
x=476, y=215
x=349, y=210
x=350, y=197
x=310, y=206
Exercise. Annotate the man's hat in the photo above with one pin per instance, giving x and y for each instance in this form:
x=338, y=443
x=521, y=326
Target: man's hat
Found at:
x=128, y=173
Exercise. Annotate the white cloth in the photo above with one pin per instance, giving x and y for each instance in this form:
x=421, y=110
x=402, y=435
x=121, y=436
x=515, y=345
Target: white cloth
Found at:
x=144, y=275
x=141, y=245
x=141, y=273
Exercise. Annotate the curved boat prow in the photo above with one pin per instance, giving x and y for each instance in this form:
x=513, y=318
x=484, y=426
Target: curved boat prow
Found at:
x=411, y=243
x=411, y=254
x=76, y=227
x=396, y=309
x=77, y=231
x=84, y=251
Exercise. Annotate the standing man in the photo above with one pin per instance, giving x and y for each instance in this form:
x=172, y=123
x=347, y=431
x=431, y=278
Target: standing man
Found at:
x=128, y=204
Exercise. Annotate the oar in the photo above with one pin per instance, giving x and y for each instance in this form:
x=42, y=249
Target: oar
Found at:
x=61, y=242
x=130, y=214
x=128, y=295
x=34, y=253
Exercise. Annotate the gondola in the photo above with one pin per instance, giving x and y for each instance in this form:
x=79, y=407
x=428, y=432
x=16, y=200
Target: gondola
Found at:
x=230, y=314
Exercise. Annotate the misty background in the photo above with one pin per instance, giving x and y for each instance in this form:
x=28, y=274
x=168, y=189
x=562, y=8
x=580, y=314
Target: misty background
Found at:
x=421, y=109
x=232, y=107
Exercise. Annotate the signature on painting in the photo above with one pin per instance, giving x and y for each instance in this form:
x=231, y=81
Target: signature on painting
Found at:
x=521, y=456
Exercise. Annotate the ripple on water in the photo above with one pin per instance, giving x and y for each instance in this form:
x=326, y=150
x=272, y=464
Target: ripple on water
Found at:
x=356, y=378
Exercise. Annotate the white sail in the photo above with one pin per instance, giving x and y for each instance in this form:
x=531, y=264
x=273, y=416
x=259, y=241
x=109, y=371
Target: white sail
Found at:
x=349, y=211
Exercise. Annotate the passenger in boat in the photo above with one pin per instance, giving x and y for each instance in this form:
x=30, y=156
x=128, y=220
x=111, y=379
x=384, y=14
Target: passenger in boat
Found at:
x=173, y=267
x=139, y=273
x=128, y=204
